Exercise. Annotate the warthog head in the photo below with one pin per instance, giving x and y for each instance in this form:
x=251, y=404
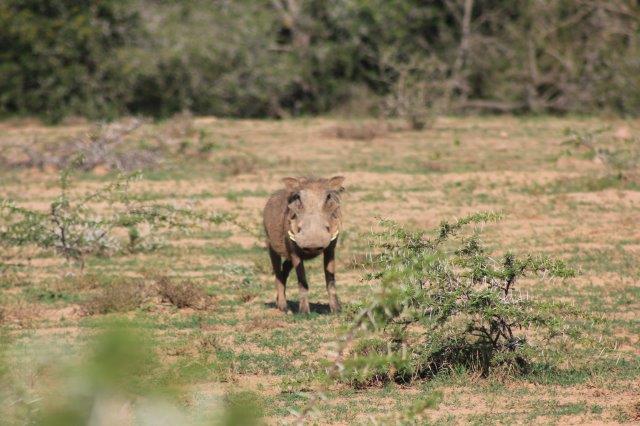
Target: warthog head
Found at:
x=313, y=213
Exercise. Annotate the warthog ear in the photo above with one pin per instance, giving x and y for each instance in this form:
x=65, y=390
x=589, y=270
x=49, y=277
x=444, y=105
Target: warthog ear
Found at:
x=291, y=183
x=335, y=183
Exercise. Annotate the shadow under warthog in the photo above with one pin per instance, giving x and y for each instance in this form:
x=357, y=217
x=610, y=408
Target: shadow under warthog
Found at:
x=318, y=308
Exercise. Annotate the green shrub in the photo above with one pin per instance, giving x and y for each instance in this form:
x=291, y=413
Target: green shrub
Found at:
x=445, y=302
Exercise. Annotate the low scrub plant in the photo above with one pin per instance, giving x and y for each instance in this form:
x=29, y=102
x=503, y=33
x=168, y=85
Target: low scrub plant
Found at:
x=120, y=295
x=182, y=294
x=124, y=294
x=75, y=229
x=126, y=145
x=447, y=302
x=414, y=86
x=618, y=154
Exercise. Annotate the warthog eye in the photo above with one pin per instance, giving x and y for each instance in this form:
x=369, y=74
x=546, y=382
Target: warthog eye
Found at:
x=295, y=199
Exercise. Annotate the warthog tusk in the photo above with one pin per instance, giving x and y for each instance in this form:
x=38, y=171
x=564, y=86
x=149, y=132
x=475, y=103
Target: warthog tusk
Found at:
x=292, y=237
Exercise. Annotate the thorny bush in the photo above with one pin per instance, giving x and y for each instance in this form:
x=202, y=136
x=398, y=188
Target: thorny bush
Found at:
x=447, y=302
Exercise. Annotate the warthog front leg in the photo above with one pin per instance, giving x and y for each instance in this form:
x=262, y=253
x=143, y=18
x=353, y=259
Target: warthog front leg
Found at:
x=302, y=285
x=281, y=272
x=330, y=277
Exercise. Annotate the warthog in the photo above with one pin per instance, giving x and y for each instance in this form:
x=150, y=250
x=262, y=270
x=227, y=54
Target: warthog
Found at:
x=302, y=221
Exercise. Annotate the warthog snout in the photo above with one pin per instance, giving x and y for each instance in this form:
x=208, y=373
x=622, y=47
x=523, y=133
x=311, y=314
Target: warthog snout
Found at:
x=313, y=234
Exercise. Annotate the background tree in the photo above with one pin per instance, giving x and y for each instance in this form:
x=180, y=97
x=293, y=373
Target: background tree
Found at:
x=274, y=58
x=62, y=57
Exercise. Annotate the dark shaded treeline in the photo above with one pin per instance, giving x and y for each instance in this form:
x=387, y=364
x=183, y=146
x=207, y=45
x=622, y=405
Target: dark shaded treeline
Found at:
x=270, y=58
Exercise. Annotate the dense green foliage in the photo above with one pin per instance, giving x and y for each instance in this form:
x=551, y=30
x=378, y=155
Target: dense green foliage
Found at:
x=62, y=57
x=280, y=57
x=446, y=302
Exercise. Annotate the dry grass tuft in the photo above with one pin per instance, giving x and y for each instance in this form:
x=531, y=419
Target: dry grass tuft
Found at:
x=247, y=297
x=81, y=281
x=236, y=164
x=183, y=294
x=122, y=295
x=366, y=131
x=20, y=313
x=178, y=127
x=635, y=413
x=432, y=166
x=261, y=323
